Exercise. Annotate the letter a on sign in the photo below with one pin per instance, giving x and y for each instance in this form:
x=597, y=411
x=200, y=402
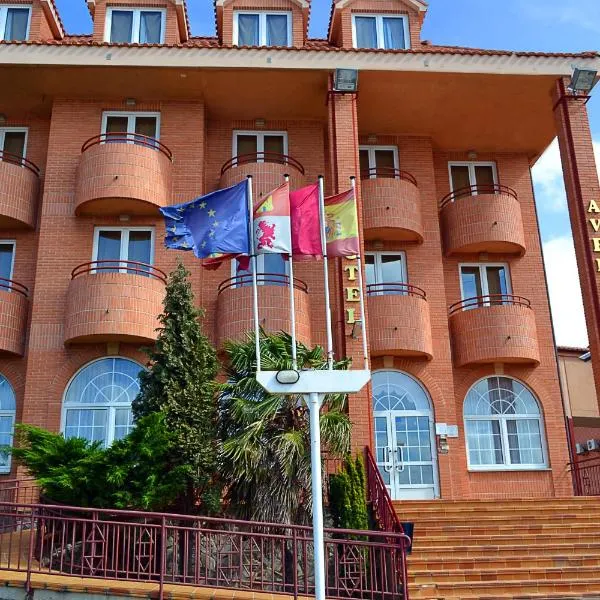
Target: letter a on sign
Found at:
x=593, y=207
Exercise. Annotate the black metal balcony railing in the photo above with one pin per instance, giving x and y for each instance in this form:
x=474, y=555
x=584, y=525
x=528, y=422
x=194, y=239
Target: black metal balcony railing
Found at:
x=387, y=173
x=476, y=190
x=119, y=266
x=127, y=138
x=262, y=157
x=20, y=161
x=395, y=289
x=13, y=286
x=276, y=279
x=489, y=300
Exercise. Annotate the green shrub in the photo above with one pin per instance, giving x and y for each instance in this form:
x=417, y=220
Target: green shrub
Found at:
x=348, y=496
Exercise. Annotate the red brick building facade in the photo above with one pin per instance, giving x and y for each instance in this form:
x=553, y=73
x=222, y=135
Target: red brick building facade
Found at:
x=100, y=131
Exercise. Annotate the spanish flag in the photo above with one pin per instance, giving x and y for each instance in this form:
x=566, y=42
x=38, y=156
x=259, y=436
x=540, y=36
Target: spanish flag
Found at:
x=341, y=224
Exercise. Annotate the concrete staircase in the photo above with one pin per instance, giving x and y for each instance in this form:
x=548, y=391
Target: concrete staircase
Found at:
x=504, y=549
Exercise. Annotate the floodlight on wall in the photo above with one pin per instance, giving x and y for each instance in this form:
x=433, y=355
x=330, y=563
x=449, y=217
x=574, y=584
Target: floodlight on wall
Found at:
x=345, y=80
x=583, y=80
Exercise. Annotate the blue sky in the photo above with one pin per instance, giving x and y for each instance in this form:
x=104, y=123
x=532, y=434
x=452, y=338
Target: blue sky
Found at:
x=545, y=25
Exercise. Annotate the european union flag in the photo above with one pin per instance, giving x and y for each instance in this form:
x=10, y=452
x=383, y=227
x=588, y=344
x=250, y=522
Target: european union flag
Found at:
x=213, y=224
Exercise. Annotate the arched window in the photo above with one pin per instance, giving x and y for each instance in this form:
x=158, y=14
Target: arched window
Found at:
x=97, y=403
x=393, y=390
x=503, y=425
x=8, y=409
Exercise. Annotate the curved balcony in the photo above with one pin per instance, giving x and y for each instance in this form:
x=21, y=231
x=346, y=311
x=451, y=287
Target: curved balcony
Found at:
x=267, y=169
x=391, y=205
x=14, y=308
x=399, y=322
x=234, y=307
x=19, y=188
x=114, y=301
x=122, y=173
x=497, y=328
x=482, y=218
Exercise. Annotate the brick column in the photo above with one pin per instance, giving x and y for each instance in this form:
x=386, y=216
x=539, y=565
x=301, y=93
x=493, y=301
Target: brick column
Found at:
x=583, y=197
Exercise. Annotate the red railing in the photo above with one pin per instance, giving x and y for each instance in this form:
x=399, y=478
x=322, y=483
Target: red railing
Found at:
x=13, y=286
x=127, y=138
x=395, y=289
x=20, y=161
x=119, y=266
x=586, y=476
x=387, y=173
x=490, y=300
x=23, y=491
x=262, y=157
x=475, y=190
x=200, y=552
x=261, y=279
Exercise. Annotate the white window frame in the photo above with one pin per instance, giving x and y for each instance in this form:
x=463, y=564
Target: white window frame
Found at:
x=260, y=140
x=262, y=24
x=12, y=243
x=260, y=268
x=379, y=25
x=371, y=151
x=471, y=165
x=483, y=278
x=507, y=465
x=4, y=15
x=378, y=277
x=124, y=244
x=131, y=117
x=13, y=415
x=135, y=26
x=5, y=130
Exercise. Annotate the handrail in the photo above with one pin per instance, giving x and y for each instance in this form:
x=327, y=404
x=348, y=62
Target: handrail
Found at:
x=265, y=157
x=14, y=286
x=392, y=288
x=130, y=266
x=262, y=279
x=475, y=190
x=21, y=161
x=118, y=137
x=489, y=300
x=387, y=173
x=586, y=476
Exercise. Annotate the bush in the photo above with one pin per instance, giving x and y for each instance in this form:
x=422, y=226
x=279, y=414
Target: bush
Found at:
x=348, y=496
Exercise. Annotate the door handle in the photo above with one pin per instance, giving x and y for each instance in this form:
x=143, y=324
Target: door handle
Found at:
x=400, y=463
x=388, y=465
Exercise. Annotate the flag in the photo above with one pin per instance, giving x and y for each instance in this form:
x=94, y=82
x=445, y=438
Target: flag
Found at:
x=272, y=228
x=341, y=224
x=306, y=224
x=210, y=225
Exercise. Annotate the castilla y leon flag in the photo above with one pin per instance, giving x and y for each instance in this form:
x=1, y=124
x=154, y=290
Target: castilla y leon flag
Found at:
x=272, y=227
x=341, y=224
x=306, y=225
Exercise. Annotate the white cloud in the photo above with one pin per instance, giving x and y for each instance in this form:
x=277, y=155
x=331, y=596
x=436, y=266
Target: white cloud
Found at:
x=548, y=180
x=565, y=292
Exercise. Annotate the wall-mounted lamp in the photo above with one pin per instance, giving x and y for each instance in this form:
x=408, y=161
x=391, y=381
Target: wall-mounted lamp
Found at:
x=260, y=122
x=2, y=118
x=130, y=101
x=124, y=218
x=583, y=80
x=356, y=329
x=372, y=138
x=472, y=155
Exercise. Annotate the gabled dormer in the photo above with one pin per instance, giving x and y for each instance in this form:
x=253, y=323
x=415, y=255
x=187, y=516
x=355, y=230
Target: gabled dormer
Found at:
x=377, y=24
x=139, y=21
x=32, y=20
x=262, y=22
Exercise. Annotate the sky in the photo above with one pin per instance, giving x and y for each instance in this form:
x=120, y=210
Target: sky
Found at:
x=537, y=25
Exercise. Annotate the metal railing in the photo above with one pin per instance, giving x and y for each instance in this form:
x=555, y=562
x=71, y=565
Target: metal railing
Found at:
x=262, y=157
x=387, y=173
x=489, y=300
x=200, y=551
x=275, y=279
x=119, y=266
x=586, y=476
x=476, y=190
x=13, y=286
x=20, y=161
x=24, y=490
x=395, y=289
x=127, y=138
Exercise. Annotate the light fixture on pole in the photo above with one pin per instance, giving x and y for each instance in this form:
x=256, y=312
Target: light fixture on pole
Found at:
x=345, y=80
x=583, y=80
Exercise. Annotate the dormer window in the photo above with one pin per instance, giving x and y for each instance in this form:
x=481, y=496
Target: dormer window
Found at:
x=385, y=32
x=14, y=22
x=135, y=26
x=252, y=28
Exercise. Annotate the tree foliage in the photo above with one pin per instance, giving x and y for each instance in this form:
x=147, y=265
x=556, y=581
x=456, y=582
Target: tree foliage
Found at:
x=348, y=496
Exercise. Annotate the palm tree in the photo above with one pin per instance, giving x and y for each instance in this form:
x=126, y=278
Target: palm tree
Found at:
x=265, y=437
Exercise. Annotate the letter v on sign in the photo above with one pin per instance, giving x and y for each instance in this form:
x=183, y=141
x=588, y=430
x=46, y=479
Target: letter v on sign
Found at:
x=595, y=223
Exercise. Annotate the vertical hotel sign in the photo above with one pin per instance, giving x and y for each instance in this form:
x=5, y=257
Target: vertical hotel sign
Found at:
x=594, y=221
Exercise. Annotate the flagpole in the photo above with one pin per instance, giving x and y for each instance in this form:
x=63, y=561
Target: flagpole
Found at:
x=254, y=267
x=292, y=299
x=325, y=274
x=360, y=285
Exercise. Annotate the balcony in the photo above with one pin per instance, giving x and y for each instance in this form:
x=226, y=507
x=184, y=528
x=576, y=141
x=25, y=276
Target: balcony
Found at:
x=123, y=174
x=234, y=307
x=19, y=188
x=267, y=169
x=399, y=322
x=114, y=301
x=14, y=308
x=494, y=329
x=391, y=205
x=482, y=218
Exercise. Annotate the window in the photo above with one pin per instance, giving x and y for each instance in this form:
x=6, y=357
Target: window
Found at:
x=97, y=403
x=380, y=31
x=135, y=26
x=383, y=270
x=378, y=161
x=487, y=282
x=503, y=426
x=8, y=409
x=469, y=174
x=272, y=265
x=13, y=141
x=262, y=28
x=259, y=143
x=140, y=123
x=7, y=261
x=14, y=22
x=117, y=244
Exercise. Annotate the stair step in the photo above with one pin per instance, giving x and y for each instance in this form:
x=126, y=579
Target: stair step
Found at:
x=432, y=564
x=520, y=516
x=509, y=550
x=501, y=528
